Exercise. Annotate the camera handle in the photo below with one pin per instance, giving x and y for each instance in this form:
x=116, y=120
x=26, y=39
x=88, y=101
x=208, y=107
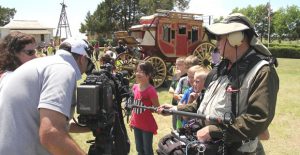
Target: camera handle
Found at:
x=227, y=119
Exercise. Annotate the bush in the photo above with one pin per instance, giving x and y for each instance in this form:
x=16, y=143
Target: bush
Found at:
x=282, y=45
x=285, y=52
x=93, y=42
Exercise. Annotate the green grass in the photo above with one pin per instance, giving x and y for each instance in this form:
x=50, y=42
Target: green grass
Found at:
x=284, y=130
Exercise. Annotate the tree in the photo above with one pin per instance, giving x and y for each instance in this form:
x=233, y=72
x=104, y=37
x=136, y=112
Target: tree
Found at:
x=116, y=15
x=279, y=21
x=6, y=14
x=293, y=21
x=258, y=16
x=287, y=22
x=182, y=4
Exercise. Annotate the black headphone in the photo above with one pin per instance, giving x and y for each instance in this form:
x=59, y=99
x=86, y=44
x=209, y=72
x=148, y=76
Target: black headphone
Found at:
x=89, y=48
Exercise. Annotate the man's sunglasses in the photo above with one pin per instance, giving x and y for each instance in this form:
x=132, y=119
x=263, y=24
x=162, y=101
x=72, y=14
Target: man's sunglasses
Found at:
x=29, y=52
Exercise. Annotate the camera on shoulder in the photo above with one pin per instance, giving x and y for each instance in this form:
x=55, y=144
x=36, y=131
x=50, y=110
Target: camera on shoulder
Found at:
x=99, y=100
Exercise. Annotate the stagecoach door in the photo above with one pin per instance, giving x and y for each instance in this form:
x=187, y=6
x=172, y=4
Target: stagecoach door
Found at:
x=181, y=46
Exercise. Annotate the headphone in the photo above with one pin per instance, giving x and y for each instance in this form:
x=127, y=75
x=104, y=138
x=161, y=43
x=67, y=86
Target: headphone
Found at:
x=89, y=48
x=235, y=39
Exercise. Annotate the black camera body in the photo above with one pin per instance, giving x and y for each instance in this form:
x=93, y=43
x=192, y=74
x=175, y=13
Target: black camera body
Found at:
x=99, y=100
x=95, y=100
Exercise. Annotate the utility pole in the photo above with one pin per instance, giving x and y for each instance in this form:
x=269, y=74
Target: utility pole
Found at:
x=269, y=21
x=63, y=24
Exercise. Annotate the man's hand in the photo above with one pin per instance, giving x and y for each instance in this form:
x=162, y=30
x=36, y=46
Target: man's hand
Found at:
x=163, y=107
x=203, y=134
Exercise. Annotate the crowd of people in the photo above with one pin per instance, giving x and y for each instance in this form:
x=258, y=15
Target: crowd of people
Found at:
x=243, y=82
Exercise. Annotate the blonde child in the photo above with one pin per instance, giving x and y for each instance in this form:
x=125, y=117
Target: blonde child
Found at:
x=180, y=71
x=183, y=83
x=191, y=89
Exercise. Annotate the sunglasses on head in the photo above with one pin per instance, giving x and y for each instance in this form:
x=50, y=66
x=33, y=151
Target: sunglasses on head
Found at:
x=29, y=52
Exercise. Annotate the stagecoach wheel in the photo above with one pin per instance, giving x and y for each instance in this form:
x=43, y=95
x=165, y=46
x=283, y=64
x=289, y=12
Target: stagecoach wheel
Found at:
x=160, y=70
x=203, y=52
x=125, y=61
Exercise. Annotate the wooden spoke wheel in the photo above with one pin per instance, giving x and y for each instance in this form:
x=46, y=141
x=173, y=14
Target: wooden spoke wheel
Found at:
x=128, y=62
x=203, y=52
x=160, y=70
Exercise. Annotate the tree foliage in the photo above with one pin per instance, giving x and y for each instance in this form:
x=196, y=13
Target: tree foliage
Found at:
x=116, y=15
x=257, y=15
x=284, y=23
x=6, y=14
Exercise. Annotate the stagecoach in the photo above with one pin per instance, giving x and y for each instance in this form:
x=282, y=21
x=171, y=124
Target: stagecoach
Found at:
x=161, y=38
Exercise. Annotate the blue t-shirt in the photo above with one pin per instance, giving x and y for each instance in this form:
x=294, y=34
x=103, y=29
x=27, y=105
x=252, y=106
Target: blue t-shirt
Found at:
x=186, y=95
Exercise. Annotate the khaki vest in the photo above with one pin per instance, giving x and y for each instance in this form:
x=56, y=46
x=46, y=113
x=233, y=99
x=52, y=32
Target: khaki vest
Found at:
x=217, y=100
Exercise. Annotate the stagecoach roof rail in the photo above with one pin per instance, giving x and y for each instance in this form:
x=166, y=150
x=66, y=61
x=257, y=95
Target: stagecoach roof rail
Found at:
x=180, y=15
x=141, y=26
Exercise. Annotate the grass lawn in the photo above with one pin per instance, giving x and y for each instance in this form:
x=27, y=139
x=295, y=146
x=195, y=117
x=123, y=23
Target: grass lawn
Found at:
x=284, y=130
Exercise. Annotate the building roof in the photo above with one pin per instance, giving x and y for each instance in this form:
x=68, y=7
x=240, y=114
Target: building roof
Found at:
x=25, y=24
x=33, y=31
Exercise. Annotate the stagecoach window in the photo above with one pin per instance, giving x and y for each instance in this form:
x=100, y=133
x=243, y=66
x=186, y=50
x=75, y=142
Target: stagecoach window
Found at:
x=166, y=33
x=173, y=34
x=194, y=33
x=189, y=35
x=181, y=29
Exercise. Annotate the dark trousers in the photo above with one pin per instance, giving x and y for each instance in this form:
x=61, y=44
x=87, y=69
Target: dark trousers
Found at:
x=143, y=142
x=174, y=122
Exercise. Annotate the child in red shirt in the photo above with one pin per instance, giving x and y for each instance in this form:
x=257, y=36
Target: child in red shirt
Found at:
x=142, y=121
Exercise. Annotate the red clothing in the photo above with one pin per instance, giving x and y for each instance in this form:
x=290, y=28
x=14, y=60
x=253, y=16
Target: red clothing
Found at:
x=143, y=119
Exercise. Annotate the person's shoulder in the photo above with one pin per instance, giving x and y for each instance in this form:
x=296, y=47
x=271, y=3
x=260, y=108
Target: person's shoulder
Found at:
x=183, y=75
x=266, y=70
x=183, y=78
x=150, y=88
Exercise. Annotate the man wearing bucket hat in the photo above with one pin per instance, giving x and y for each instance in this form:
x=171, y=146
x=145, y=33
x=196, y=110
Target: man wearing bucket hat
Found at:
x=244, y=83
x=37, y=103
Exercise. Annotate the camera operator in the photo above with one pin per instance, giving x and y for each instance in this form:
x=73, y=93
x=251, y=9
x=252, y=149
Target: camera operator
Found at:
x=37, y=103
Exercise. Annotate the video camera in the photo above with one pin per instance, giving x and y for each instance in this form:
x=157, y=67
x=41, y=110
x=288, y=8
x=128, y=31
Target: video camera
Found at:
x=99, y=100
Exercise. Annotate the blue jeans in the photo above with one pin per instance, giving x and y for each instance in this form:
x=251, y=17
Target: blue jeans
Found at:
x=143, y=142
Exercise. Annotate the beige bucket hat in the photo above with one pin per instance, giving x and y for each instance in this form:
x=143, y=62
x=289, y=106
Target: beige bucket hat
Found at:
x=234, y=23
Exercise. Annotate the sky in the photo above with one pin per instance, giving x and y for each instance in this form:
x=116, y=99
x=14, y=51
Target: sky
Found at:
x=47, y=12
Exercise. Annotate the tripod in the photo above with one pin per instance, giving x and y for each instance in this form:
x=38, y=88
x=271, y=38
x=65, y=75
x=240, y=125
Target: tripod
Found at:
x=102, y=144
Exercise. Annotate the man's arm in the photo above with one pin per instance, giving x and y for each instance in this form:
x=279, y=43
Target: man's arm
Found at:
x=75, y=128
x=54, y=135
x=192, y=107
